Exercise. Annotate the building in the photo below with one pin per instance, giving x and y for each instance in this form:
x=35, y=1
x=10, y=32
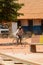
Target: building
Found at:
x=33, y=16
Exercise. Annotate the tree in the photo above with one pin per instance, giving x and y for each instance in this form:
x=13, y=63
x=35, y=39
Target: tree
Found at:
x=9, y=10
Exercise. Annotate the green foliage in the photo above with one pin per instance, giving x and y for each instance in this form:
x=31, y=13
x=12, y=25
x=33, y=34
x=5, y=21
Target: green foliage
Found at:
x=9, y=10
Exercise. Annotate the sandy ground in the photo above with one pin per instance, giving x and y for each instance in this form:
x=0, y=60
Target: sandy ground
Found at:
x=22, y=50
x=19, y=48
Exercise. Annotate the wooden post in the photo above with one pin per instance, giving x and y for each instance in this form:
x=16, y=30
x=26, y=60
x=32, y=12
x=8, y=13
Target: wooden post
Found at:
x=33, y=48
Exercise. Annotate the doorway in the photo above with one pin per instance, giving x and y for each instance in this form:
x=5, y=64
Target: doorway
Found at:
x=42, y=25
x=30, y=24
x=18, y=23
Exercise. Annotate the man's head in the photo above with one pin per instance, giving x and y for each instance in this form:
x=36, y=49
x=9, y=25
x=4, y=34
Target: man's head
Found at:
x=20, y=27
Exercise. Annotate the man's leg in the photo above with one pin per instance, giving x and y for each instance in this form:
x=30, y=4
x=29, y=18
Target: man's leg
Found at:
x=17, y=40
x=20, y=38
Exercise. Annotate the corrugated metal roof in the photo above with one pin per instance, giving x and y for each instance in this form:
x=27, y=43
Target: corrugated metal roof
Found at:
x=31, y=9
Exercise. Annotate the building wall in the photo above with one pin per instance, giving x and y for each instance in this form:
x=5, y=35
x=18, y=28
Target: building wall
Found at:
x=24, y=24
x=36, y=22
x=37, y=26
